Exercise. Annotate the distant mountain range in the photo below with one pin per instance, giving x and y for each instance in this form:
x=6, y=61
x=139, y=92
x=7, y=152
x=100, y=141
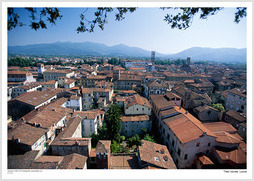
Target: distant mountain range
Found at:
x=97, y=49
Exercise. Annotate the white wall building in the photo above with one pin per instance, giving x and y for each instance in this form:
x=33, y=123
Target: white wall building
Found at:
x=137, y=105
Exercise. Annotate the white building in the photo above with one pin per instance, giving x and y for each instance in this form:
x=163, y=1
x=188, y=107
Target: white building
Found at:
x=75, y=103
x=183, y=134
x=28, y=87
x=91, y=121
x=137, y=105
x=55, y=74
x=131, y=125
x=20, y=76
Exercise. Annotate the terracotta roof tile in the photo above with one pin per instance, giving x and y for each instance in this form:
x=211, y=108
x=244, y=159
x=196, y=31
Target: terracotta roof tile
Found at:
x=103, y=146
x=124, y=161
x=135, y=118
x=156, y=155
x=220, y=127
x=205, y=160
x=35, y=98
x=237, y=155
x=22, y=161
x=186, y=127
x=73, y=161
x=236, y=115
x=137, y=99
x=238, y=91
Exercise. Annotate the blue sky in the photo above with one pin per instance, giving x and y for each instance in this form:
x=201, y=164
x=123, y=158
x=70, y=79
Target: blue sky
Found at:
x=144, y=28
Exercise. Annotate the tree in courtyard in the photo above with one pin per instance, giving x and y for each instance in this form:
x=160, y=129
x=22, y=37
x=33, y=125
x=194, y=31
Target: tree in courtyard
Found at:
x=134, y=140
x=218, y=106
x=181, y=19
x=101, y=135
x=147, y=137
x=113, y=122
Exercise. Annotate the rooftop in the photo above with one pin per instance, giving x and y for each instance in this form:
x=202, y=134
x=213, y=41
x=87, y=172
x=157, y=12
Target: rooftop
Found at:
x=186, y=127
x=236, y=115
x=35, y=98
x=239, y=92
x=124, y=161
x=103, y=146
x=135, y=118
x=156, y=155
x=73, y=161
x=137, y=99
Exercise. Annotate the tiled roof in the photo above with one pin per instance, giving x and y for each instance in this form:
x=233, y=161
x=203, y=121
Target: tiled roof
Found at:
x=87, y=114
x=31, y=85
x=58, y=71
x=124, y=161
x=92, y=90
x=186, y=127
x=224, y=132
x=135, y=118
x=35, y=98
x=161, y=102
x=69, y=81
x=103, y=146
x=238, y=91
x=220, y=127
x=139, y=100
x=46, y=162
x=27, y=134
x=50, y=82
x=22, y=161
x=96, y=77
x=19, y=73
x=156, y=155
x=168, y=112
x=237, y=156
x=155, y=83
x=224, y=137
x=75, y=97
x=205, y=160
x=45, y=116
x=127, y=92
x=65, y=137
x=205, y=108
x=203, y=84
x=73, y=161
x=236, y=115
x=130, y=77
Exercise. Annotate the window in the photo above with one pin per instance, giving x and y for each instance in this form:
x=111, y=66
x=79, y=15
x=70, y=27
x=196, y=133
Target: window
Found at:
x=197, y=145
x=173, y=143
x=168, y=136
x=207, y=151
x=137, y=109
x=209, y=144
x=179, y=152
x=186, y=156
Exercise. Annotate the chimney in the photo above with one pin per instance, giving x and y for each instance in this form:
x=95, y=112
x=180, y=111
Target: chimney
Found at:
x=162, y=151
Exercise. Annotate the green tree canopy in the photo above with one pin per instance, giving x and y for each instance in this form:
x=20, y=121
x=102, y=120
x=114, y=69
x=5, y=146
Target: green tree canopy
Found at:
x=113, y=122
x=22, y=62
x=181, y=19
x=218, y=106
x=147, y=137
